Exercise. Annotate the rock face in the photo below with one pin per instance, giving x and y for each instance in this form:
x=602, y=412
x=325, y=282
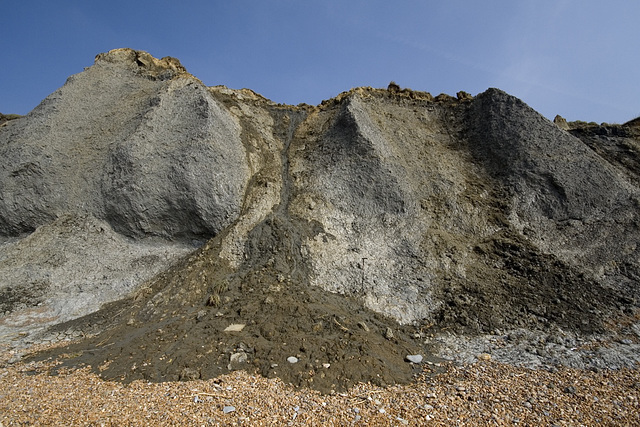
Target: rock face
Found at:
x=134, y=141
x=470, y=213
x=71, y=267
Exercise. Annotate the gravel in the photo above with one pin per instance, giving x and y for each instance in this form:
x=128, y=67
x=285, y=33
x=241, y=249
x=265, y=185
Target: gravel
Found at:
x=480, y=393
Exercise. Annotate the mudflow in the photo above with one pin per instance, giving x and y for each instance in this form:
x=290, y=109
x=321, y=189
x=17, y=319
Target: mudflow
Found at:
x=146, y=213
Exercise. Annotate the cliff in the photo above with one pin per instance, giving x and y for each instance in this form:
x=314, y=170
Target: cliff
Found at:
x=331, y=227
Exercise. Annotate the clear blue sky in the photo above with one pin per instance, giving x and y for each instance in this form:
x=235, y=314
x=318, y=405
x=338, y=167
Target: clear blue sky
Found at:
x=576, y=58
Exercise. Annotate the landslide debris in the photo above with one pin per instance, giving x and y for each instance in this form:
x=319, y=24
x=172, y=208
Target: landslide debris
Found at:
x=332, y=340
x=342, y=237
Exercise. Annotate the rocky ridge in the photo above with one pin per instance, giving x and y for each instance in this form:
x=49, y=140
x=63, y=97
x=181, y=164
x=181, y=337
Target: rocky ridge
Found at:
x=348, y=234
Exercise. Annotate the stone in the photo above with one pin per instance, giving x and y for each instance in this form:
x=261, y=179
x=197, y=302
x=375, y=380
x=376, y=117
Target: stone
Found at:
x=292, y=359
x=414, y=358
x=228, y=409
x=561, y=122
x=464, y=96
x=189, y=374
x=201, y=315
x=238, y=358
x=363, y=326
x=235, y=327
x=388, y=334
x=15, y=358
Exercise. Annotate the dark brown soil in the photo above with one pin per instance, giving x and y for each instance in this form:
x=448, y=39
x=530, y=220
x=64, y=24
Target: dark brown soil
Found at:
x=514, y=285
x=172, y=334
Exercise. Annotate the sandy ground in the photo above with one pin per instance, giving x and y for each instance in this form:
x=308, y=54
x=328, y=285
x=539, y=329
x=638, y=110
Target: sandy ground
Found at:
x=482, y=393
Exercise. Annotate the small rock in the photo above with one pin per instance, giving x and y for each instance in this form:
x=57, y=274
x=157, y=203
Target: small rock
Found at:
x=464, y=96
x=189, y=374
x=626, y=341
x=388, y=334
x=235, y=327
x=414, y=358
x=402, y=421
x=484, y=356
x=561, y=122
x=326, y=365
x=292, y=359
x=527, y=405
x=240, y=357
x=201, y=314
x=228, y=409
x=570, y=390
x=15, y=358
x=363, y=326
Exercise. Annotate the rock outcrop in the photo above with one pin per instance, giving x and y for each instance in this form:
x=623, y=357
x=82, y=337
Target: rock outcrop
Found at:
x=472, y=214
x=132, y=140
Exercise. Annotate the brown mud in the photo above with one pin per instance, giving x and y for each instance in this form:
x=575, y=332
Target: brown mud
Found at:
x=337, y=342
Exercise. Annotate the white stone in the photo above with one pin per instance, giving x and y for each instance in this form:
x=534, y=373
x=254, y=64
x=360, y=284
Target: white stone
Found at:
x=235, y=327
x=414, y=358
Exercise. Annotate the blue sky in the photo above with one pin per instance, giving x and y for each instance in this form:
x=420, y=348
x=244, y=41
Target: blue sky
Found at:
x=576, y=58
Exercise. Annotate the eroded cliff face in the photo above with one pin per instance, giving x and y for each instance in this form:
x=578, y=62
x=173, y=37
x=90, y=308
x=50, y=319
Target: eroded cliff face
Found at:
x=470, y=214
x=132, y=140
